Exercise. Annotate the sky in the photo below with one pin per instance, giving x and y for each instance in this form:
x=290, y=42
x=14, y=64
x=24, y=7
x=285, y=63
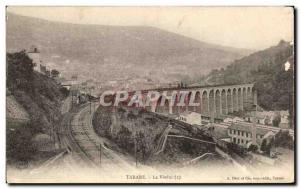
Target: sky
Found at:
x=253, y=28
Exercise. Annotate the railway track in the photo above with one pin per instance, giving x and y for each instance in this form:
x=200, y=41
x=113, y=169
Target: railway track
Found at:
x=69, y=142
x=81, y=140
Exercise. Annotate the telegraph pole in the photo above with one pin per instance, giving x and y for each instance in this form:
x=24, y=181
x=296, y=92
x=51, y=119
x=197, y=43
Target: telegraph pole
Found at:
x=90, y=100
x=254, y=121
x=52, y=135
x=90, y=107
x=135, y=151
x=100, y=153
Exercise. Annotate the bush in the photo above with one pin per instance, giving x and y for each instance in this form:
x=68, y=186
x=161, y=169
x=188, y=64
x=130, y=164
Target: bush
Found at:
x=19, y=71
x=253, y=148
x=64, y=91
x=19, y=147
x=283, y=139
x=54, y=73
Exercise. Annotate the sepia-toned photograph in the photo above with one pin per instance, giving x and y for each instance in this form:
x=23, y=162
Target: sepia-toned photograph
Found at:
x=150, y=95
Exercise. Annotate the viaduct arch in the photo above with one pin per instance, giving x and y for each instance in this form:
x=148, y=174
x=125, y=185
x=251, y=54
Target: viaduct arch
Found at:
x=217, y=100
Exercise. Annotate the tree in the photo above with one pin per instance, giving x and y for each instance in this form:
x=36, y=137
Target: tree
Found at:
x=253, y=148
x=274, y=85
x=276, y=121
x=19, y=147
x=64, y=91
x=263, y=146
x=283, y=139
x=19, y=71
x=269, y=146
x=54, y=73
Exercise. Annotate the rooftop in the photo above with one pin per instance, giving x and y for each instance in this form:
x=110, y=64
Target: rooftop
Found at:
x=185, y=113
x=248, y=128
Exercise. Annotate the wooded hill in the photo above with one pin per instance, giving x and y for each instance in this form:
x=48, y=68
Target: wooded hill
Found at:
x=266, y=68
x=41, y=98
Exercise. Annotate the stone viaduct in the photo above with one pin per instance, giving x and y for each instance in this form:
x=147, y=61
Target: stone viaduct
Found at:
x=219, y=100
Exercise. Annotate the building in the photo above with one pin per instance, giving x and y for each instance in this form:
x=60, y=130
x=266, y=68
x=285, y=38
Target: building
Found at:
x=287, y=66
x=244, y=135
x=261, y=117
x=192, y=118
x=43, y=69
x=232, y=120
x=34, y=54
x=267, y=118
x=284, y=120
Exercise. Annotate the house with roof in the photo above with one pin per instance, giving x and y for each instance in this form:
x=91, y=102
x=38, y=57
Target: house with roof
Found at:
x=34, y=54
x=284, y=119
x=261, y=117
x=245, y=135
x=232, y=120
x=189, y=117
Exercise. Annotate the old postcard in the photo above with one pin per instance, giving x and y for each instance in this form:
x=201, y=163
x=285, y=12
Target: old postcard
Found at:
x=150, y=95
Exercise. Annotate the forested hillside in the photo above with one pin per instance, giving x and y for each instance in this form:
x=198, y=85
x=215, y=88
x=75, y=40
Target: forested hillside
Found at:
x=41, y=98
x=274, y=84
